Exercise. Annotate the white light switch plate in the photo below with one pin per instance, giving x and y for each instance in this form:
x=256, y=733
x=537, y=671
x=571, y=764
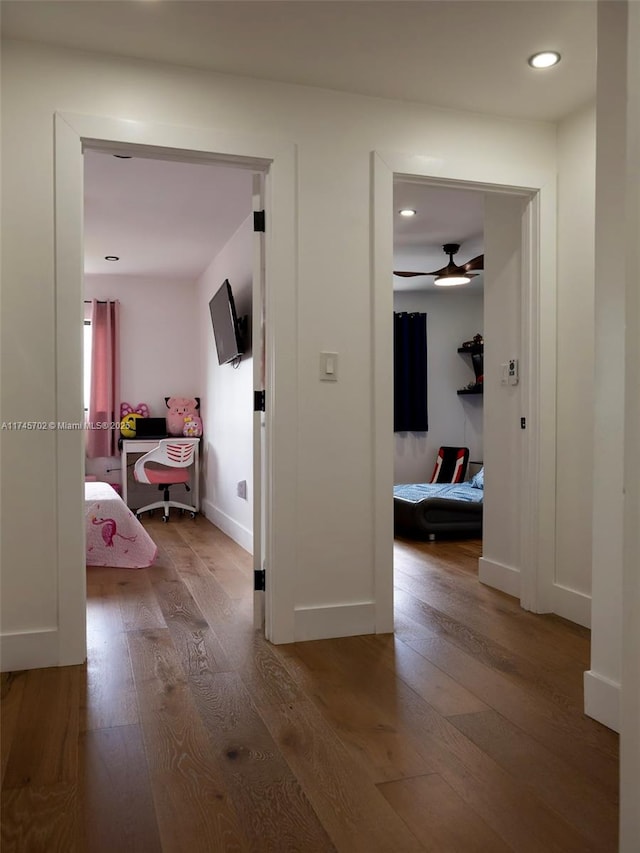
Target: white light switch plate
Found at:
x=329, y=366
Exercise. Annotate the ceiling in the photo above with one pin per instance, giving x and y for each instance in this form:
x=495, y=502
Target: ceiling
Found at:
x=170, y=219
x=442, y=216
x=162, y=219
x=462, y=54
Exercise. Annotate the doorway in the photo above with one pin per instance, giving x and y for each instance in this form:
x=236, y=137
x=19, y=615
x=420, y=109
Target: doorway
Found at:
x=73, y=135
x=533, y=471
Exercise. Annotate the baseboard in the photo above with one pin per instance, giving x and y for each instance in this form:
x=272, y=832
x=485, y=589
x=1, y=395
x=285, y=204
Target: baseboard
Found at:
x=242, y=535
x=572, y=605
x=602, y=699
x=342, y=620
x=29, y=650
x=499, y=576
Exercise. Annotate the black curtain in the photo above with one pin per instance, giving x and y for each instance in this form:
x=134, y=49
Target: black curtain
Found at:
x=410, y=372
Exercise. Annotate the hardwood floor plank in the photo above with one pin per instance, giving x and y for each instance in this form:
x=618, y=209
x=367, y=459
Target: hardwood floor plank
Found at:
x=116, y=804
x=277, y=814
x=443, y=693
x=138, y=605
x=372, y=740
x=523, y=670
x=439, y=818
x=505, y=802
x=45, y=744
x=231, y=570
x=553, y=781
x=192, y=805
x=11, y=697
x=174, y=547
x=258, y=663
x=439, y=574
x=109, y=697
x=40, y=819
x=354, y=813
x=198, y=647
x=585, y=744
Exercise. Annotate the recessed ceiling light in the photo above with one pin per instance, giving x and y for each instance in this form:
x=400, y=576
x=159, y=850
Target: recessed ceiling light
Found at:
x=407, y=211
x=544, y=59
x=111, y=258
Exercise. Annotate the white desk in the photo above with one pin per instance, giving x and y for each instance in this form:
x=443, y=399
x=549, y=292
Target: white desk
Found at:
x=143, y=445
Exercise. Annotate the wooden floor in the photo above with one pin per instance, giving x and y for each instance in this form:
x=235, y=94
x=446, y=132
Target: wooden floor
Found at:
x=187, y=732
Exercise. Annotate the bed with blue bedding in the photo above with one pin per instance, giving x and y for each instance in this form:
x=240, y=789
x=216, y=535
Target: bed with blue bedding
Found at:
x=427, y=509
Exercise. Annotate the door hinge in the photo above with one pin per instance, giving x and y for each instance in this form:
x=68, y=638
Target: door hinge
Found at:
x=259, y=580
x=259, y=223
x=523, y=423
x=258, y=401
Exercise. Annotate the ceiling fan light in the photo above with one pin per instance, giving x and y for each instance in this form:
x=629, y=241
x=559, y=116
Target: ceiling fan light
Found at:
x=451, y=280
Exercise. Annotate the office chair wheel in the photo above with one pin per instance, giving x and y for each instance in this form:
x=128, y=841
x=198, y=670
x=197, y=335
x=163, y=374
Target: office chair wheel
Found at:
x=192, y=514
x=165, y=518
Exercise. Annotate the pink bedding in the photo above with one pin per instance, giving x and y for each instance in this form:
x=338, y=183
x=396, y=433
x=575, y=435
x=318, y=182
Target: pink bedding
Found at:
x=115, y=537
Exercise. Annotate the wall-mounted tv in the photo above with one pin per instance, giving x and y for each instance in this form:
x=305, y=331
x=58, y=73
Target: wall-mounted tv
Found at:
x=226, y=330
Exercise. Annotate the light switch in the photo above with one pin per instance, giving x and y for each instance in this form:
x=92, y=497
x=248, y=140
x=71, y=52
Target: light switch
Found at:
x=329, y=366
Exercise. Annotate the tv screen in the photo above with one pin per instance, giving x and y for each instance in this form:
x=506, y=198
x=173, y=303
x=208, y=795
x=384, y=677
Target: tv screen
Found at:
x=225, y=324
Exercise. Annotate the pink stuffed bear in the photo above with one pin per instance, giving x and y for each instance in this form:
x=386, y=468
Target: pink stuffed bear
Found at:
x=179, y=409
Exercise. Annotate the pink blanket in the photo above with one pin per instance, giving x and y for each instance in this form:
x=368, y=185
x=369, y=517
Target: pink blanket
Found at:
x=115, y=537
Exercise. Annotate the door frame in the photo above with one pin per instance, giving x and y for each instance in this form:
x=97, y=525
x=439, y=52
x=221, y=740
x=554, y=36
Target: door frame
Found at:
x=277, y=158
x=538, y=330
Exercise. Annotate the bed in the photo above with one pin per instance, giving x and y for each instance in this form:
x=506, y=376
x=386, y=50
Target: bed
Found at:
x=426, y=509
x=115, y=537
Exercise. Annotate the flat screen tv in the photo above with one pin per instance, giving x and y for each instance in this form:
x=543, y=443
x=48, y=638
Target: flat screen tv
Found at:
x=225, y=324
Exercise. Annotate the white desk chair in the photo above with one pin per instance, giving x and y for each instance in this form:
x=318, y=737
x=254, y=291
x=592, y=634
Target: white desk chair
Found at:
x=165, y=466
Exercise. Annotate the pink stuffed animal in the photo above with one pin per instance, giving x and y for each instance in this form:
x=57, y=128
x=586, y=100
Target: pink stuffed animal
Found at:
x=179, y=409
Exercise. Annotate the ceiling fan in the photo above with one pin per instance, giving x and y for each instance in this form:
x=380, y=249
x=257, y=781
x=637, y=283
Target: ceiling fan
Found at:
x=451, y=274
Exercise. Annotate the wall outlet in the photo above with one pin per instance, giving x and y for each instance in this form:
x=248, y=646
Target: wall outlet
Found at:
x=242, y=489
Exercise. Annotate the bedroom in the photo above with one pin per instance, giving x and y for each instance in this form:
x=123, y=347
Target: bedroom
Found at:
x=178, y=230
x=425, y=220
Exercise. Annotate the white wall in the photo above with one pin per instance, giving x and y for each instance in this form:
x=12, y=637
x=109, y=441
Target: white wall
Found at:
x=453, y=316
x=630, y=700
x=334, y=132
x=503, y=447
x=602, y=682
x=227, y=395
x=576, y=233
x=157, y=325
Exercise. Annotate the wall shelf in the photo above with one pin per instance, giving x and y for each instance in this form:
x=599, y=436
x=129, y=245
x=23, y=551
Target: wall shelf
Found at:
x=476, y=351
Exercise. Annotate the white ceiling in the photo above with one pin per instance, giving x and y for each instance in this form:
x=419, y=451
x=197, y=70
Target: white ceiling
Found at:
x=169, y=219
x=161, y=218
x=464, y=54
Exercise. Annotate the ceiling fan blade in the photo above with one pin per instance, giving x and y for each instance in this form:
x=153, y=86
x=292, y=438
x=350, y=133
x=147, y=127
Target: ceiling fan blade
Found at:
x=461, y=271
x=409, y=274
x=476, y=263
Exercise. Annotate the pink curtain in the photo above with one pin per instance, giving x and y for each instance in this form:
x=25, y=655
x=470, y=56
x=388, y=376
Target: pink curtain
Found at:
x=104, y=403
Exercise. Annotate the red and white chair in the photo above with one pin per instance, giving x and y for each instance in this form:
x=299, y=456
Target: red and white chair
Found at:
x=165, y=466
x=451, y=465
